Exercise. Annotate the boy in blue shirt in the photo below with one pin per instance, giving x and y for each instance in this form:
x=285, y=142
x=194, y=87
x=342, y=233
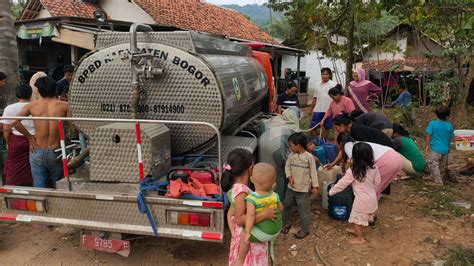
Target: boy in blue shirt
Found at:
x=439, y=134
x=404, y=101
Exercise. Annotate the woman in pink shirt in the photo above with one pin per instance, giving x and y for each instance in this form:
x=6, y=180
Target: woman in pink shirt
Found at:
x=364, y=178
x=339, y=104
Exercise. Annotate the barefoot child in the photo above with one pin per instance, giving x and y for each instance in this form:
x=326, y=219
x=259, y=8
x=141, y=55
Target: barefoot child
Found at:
x=438, y=136
x=302, y=178
x=263, y=177
x=235, y=179
x=364, y=178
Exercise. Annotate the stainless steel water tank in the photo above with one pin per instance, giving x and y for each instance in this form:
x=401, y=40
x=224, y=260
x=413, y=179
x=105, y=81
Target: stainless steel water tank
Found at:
x=205, y=78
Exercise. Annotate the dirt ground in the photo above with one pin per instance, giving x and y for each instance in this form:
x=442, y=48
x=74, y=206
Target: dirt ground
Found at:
x=418, y=224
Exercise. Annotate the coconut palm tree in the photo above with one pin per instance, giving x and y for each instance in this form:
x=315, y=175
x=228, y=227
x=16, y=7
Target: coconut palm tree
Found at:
x=8, y=52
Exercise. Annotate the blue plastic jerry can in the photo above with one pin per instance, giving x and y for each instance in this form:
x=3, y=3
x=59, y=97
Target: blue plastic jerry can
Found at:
x=331, y=152
x=318, y=141
x=320, y=153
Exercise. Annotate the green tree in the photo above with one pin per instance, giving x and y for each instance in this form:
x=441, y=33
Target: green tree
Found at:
x=315, y=23
x=17, y=8
x=278, y=28
x=451, y=24
x=366, y=22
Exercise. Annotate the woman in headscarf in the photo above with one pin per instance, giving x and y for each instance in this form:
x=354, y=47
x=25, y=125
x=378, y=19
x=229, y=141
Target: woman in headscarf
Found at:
x=37, y=75
x=361, y=90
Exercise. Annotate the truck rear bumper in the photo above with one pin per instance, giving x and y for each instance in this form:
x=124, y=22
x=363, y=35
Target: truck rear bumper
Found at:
x=113, y=227
x=112, y=213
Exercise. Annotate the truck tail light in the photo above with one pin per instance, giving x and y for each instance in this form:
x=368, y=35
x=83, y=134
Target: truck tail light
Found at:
x=17, y=204
x=204, y=219
x=183, y=218
x=193, y=219
x=189, y=218
x=25, y=204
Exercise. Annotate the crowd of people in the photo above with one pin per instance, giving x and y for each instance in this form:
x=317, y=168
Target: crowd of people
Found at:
x=377, y=151
x=32, y=159
x=374, y=151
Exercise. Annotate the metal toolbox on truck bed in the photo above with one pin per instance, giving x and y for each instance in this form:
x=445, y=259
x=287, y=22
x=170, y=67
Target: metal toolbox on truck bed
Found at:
x=114, y=152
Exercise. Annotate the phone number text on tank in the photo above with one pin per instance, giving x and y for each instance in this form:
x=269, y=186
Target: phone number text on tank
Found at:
x=143, y=108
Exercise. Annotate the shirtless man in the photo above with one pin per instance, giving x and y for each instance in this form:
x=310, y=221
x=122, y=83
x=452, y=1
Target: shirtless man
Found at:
x=43, y=159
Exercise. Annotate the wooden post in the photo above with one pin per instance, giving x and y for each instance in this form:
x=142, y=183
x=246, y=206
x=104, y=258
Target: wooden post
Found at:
x=74, y=55
x=298, y=65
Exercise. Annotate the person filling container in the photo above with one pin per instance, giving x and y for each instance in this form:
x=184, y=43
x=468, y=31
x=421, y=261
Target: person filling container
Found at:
x=373, y=120
x=413, y=161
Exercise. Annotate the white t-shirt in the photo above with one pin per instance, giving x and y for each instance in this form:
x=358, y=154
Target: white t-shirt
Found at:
x=379, y=150
x=12, y=110
x=323, y=99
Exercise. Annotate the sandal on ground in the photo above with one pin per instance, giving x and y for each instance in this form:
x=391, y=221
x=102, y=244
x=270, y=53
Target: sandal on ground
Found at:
x=286, y=229
x=427, y=178
x=404, y=177
x=301, y=235
x=372, y=223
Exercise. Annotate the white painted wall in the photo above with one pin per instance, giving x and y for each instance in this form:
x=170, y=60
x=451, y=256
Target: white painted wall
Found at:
x=43, y=13
x=418, y=49
x=408, y=47
x=310, y=64
x=371, y=55
x=313, y=70
x=126, y=11
x=288, y=61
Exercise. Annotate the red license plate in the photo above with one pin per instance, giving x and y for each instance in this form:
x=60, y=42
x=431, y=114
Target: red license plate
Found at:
x=120, y=247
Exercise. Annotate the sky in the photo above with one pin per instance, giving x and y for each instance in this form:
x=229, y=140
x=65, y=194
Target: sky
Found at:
x=238, y=2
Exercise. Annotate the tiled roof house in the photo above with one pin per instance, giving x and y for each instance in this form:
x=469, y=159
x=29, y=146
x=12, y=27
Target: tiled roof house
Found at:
x=199, y=16
x=182, y=14
x=410, y=54
x=58, y=8
x=56, y=32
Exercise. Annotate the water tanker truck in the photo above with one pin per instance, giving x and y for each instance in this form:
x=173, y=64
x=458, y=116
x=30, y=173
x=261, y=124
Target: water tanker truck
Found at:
x=155, y=108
